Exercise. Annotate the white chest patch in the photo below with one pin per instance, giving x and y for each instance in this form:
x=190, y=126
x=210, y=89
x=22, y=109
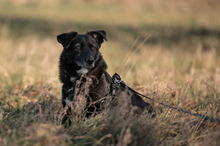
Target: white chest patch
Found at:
x=70, y=89
x=67, y=101
x=73, y=79
x=82, y=71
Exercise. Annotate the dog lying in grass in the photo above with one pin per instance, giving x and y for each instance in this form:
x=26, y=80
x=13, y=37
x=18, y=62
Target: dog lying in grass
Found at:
x=81, y=56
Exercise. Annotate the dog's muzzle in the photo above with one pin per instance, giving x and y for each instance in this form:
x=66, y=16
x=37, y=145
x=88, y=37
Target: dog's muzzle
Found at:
x=90, y=62
x=85, y=64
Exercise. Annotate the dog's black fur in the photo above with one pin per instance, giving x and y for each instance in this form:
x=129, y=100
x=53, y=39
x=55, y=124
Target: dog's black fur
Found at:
x=119, y=89
x=81, y=55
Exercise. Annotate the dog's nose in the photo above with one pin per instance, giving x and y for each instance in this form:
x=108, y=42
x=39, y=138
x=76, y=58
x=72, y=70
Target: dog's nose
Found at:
x=90, y=60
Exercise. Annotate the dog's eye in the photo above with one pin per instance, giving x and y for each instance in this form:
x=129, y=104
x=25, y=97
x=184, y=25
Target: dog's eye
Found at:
x=93, y=48
x=78, y=47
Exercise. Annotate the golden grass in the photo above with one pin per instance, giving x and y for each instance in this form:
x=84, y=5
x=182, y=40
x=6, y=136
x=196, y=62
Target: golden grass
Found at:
x=183, y=79
x=183, y=73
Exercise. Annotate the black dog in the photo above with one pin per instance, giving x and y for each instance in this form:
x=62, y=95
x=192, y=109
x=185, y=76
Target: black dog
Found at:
x=81, y=56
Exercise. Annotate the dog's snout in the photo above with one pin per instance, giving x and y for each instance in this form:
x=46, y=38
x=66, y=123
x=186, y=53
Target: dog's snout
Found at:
x=90, y=60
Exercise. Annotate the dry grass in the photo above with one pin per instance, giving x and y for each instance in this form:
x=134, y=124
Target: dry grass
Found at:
x=174, y=59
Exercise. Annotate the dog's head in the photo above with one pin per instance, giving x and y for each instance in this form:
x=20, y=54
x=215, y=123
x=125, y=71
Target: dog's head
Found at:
x=82, y=49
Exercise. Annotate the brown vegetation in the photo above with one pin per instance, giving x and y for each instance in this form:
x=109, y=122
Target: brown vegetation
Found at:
x=168, y=51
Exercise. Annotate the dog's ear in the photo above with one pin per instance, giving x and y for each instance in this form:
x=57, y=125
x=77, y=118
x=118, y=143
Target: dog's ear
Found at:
x=65, y=38
x=99, y=35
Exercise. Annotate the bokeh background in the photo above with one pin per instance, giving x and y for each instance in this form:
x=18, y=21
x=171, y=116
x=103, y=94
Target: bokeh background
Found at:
x=29, y=29
x=168, y=50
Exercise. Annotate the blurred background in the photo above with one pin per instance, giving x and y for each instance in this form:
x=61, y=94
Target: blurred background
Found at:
x=148, y=39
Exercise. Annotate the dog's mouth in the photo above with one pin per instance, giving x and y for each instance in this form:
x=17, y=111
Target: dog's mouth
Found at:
x=86, y=65
x=85, y=69
x=90, y=65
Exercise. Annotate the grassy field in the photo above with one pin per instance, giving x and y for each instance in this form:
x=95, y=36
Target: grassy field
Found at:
x=167, y=50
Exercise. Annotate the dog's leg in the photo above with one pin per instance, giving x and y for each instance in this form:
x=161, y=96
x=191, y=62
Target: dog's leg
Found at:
x=118, y=87
x=67, y=94
x=67, y=97
x=138, y=101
